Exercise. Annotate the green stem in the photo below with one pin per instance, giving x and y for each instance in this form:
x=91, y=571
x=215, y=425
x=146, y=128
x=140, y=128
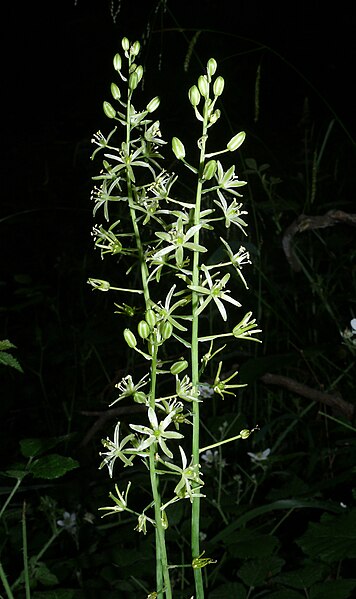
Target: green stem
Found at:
x=5, y=583
x=16, y=486
x=195, y=540
x=25, y=553
x=162, y=568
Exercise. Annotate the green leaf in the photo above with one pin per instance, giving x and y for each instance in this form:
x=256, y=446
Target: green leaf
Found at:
x=333, y=589
x=52, y=466
x=59, y=594
x=45, y=576
x=9, y=360
x=304, y=577
x=229, y=590
x=256, y=572
x=286, y=594
x=33, y=447
x=6, y=344
x=251, y=545
x=333, y=539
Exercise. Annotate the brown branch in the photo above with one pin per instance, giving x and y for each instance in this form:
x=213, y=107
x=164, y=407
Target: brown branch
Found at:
x=334, y=401
x=304, y=222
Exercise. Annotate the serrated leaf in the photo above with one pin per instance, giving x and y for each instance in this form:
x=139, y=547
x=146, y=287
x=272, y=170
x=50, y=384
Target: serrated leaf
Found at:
x=333, y=589
x=52, y=466
x=302, y=578
x=7, y=359
x=33, y=447
x=45, y=576
x=228, y=590
x=6, y=344
x=255, y=572
x=251, y=545
x=333, y=539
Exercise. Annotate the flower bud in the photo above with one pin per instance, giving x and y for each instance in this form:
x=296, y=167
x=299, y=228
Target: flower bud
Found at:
x=153, y=105
x=203, y=86
x=194, y=95
x=109, y=110
x=164, y=520
x=135, y=48
x=133, y=81
x=150, y=317
x=115, y=91
x=236, y=141
x=139, y=72
x=130, y=338
x=215, y=116
x=179, y=366
x=178, y=148
x=209, y=170
x=125, y=44
x=166, y=330
x=117, y=62
x=143, y=329
x=218, y=86
x=245, y=433
x=211, y=67
x=140, y=397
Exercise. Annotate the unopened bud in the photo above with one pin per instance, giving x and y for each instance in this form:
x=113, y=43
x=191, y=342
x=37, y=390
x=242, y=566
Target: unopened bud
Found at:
x=178, y=148
x=245, y=433
x=211, y=67
x=219, y=84
x=236, y=141
x=133, y=81
x=203, y=86
x=117, y=62
x=209, y=170
x=135, y=48
x=130, y=338
x=150, y=317
x=153, y=105
x=166, y=330
x=109, y=110
x=115, y=91
x=194, y=95
x=179, y=366
x=139, y=72
x=125, y=44
x=143, y=329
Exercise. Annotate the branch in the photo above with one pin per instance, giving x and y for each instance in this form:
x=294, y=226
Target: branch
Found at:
x=304, y=222
x=334, y=401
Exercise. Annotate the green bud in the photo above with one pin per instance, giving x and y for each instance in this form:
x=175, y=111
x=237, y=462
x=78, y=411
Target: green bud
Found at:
x=125, y=44
x=209, y=170
x=179, y=366
x=218, y=86
x=178, y=148
x=194, y=95
x=211, y=67
x=133, y=81
x=203, y=86
x=139, y=72
x=115, y=92
x=135, y=48
x=215, y=116
x=150, y=317
x=130, y=338
x=140, y=397
x=117, y=62
x=236, y=141
x=164, y=520
x=109, y=110
x=143, y=329
x=153, y=105
x=245, y=433
x=166, y=330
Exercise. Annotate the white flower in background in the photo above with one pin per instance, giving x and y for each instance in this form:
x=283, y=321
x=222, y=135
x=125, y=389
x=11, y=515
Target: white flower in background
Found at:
x=260, y=456
x=353, y=325
x=69, y=522
x=211, y=459
x=205, y=390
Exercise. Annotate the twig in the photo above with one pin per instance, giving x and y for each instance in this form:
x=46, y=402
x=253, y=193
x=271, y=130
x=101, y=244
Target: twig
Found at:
x=334, y=401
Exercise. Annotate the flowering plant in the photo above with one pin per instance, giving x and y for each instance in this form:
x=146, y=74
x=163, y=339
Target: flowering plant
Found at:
x=162, y=239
